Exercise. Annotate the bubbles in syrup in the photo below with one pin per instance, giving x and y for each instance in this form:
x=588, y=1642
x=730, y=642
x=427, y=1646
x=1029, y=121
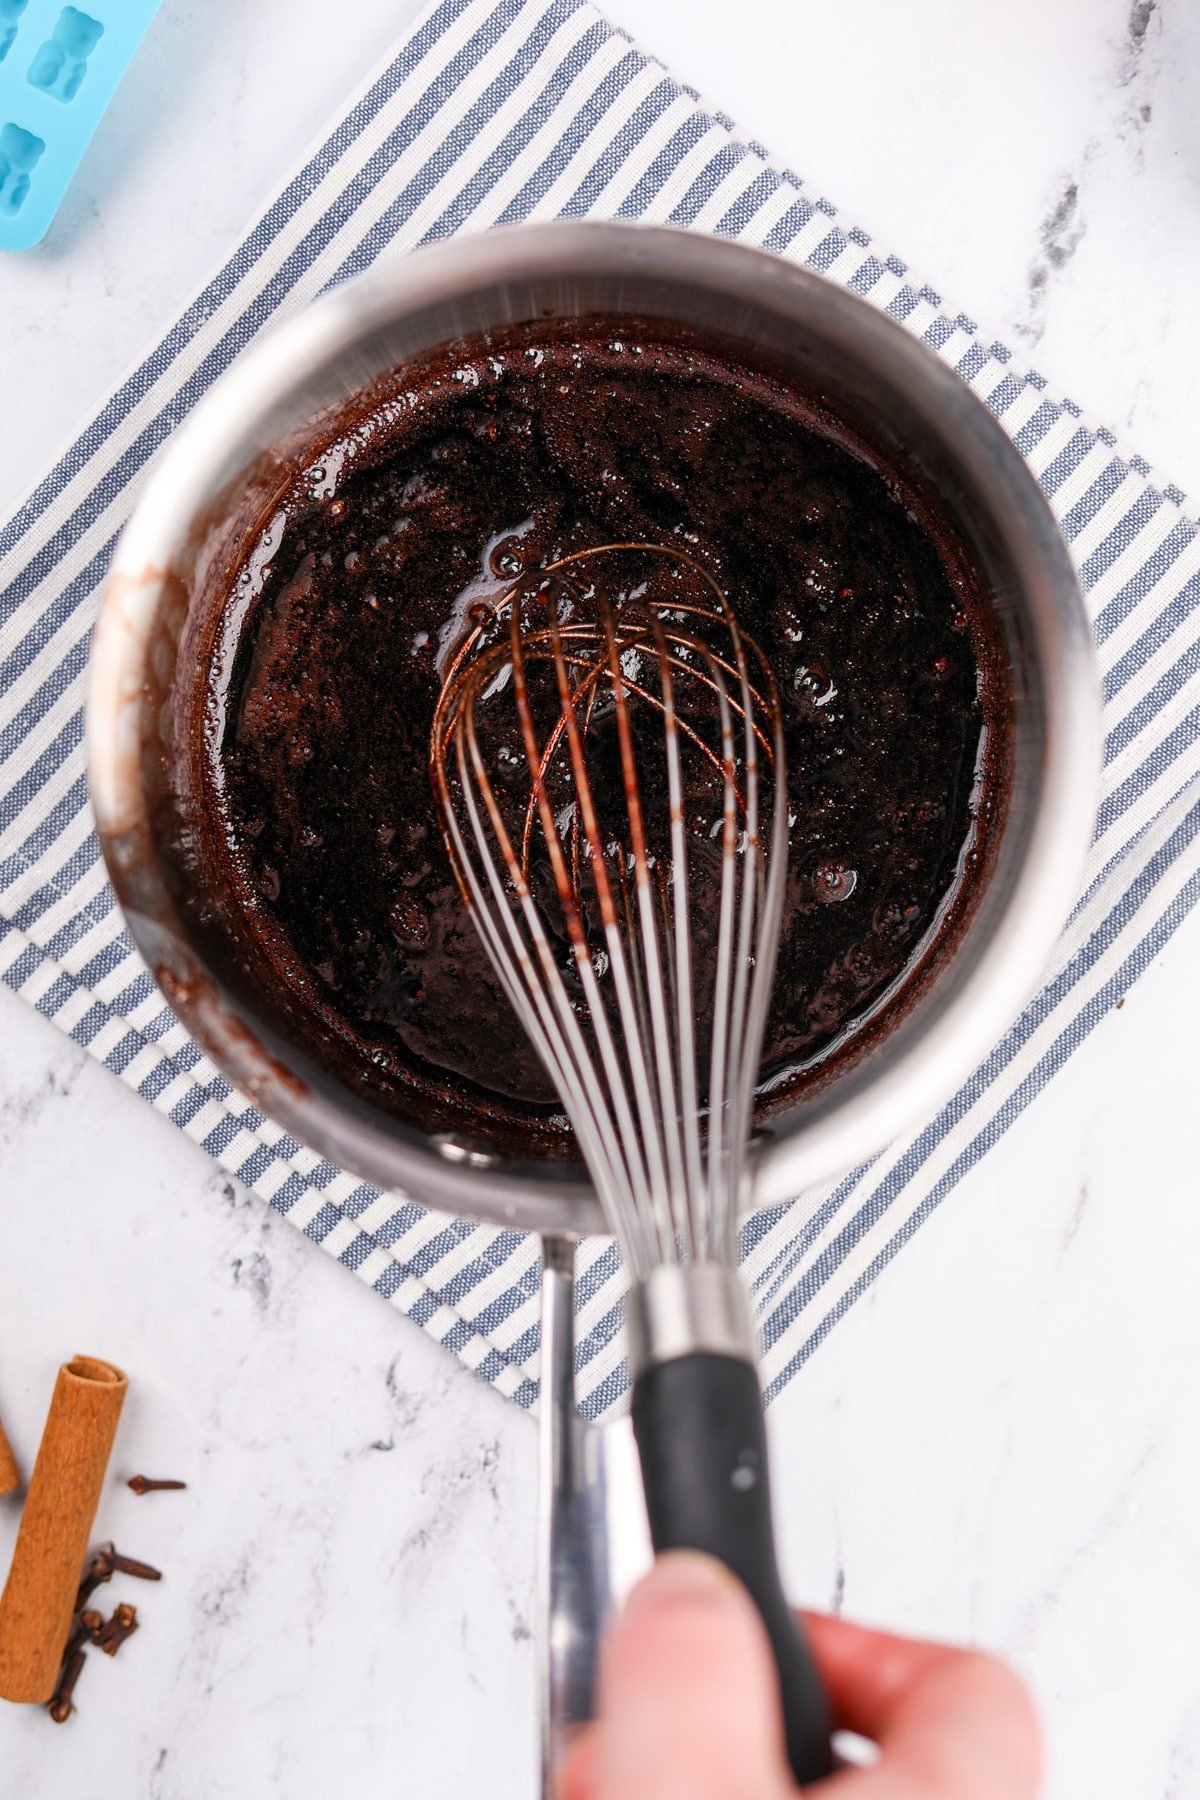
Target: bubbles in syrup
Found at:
x=834, y=882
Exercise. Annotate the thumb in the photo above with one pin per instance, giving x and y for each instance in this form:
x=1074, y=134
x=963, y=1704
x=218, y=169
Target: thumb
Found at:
x=689, y=1702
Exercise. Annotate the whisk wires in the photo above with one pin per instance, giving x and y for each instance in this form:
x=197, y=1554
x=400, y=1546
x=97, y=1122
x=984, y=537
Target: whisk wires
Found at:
x=579, y=855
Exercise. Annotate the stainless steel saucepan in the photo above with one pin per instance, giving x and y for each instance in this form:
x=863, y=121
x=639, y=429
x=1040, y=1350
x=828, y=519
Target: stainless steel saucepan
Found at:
x=892, y=390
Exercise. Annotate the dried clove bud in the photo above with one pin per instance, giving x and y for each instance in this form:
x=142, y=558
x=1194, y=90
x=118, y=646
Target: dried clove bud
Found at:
x=122, y=1625
x=78, y=1638
x=142, y=1484
x=60, y=1705
x=100, y=1569
x=129, y=1565
x=91, y=1623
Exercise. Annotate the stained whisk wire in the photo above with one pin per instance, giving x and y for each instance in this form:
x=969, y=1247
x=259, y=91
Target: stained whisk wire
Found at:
x=635, y=716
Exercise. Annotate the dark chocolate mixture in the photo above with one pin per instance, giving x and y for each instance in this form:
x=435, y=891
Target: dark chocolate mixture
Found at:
x=502, y=456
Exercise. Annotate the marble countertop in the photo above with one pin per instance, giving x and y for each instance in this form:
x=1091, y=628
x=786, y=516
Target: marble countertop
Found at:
x=1001, y=1442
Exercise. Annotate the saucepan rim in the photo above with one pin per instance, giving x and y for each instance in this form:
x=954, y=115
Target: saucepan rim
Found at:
x=943, y=1036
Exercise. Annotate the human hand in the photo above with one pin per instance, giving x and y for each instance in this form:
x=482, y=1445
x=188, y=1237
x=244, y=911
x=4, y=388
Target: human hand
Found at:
x=689, y=1709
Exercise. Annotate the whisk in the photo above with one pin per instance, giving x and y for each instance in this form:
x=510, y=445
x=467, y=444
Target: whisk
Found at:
x=608, y=758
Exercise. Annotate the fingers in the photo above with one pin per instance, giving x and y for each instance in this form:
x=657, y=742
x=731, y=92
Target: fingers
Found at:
x=579, y=1777
x=952, y=1721
x=689, y=1703
x=689, y=1707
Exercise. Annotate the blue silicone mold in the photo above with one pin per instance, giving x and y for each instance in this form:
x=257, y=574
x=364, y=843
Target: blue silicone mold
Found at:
x=59, y=68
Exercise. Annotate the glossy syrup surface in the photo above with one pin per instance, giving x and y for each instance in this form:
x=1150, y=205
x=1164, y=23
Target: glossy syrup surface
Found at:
x=496, y=458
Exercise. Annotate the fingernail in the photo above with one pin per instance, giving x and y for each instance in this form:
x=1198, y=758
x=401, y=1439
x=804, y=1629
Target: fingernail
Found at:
x=684, y=1578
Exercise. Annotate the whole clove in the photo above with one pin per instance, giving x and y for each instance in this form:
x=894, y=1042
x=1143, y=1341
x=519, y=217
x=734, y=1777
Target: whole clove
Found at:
x=90, y=1625
x=60, y=1705
x=143, y=1484
x=100, y=1569
x=104, y=1565
x=81, y=1635
x=129, y=1565
x=122, y=1625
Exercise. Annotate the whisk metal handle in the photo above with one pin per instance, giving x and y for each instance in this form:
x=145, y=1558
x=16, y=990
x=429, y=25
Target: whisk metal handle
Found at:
x=698, y=1421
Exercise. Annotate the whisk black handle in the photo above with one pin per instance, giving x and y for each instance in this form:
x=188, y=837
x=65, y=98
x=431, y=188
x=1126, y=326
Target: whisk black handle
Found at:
x=698, y=1421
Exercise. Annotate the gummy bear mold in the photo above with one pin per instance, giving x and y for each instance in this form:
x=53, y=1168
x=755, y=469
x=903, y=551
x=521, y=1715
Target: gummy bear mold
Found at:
x=59, y=68
x=61, y=64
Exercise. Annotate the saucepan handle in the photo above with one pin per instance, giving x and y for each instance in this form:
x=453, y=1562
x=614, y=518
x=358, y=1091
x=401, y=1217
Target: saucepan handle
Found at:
x=593, y=1539
x=569, y=1560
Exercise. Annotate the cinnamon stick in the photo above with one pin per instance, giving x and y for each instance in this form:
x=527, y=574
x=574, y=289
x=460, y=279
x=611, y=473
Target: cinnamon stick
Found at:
x=64, y=1490
x=10, y=1475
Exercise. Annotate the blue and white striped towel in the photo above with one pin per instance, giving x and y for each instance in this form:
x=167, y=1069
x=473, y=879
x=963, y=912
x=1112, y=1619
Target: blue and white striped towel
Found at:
x=490, y=111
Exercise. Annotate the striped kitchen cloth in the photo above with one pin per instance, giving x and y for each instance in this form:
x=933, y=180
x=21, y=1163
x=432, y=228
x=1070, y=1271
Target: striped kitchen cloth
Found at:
x=491, y=111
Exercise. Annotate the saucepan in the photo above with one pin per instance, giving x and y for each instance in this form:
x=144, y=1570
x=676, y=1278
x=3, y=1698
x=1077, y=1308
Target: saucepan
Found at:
x=220, y=467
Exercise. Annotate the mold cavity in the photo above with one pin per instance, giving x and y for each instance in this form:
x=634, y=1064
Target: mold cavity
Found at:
x=61, y=64
x=19, y=154
x=10, y=12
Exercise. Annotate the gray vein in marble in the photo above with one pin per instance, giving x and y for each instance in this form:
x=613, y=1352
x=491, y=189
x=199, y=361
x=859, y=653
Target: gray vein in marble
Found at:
x=225, y=1599
x=1075, y=1222
x=1132, y=53
x=23, y=1107
x=1137, y=70
x=155, y=1791
x=253, y=1274
x=407, y=1404
x=1063, y=226
x=1060, y=234
x=231, y=1193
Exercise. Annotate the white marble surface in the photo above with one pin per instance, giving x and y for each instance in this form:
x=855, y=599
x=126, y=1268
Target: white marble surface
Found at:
x=1002, y=1441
